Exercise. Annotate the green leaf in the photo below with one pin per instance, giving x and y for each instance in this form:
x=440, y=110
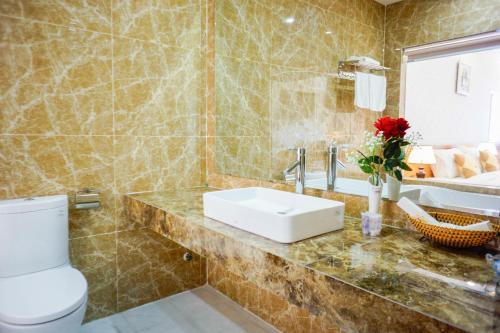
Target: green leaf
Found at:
x=397, y=152
x=389, y=151
x=390, y=163
x=366, y=168
x=398, y=174
x=377, y=159
x=405, y=166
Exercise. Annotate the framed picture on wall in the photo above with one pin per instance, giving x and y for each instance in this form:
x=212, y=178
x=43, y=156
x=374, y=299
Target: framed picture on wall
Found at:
x=463, y=79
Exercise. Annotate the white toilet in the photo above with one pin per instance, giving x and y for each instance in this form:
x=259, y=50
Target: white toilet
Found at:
x=39, y=290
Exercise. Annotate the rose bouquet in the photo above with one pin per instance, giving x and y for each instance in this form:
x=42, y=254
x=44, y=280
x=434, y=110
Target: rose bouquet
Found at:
x=384, y=151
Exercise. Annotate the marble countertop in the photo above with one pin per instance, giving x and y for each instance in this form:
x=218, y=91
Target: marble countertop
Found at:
x=453, y=286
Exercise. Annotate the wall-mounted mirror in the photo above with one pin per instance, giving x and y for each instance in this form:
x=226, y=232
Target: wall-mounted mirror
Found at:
x=450, y=93
x=293, y=74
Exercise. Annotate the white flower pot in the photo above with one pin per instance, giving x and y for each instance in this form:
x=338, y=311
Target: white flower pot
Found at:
x=374, y=197
x=393, y=188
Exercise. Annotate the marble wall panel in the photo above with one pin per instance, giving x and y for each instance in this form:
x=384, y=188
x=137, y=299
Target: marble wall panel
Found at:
x=154, y=89
x=54, y=80
x=151, y=267
x=287, y=291
x=47, y=165
x=104, y=94
x=243, y=29
x=270, y=307
x=92, y=15
x=296, y=26
x=136, y=215
x=155, y=163
x=169, y=22
x=95, y=257
x=156, y=107
x=242, y=103
x=246, y=156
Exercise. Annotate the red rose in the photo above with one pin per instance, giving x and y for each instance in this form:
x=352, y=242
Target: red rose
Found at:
x=391, y=127
x=401, y=125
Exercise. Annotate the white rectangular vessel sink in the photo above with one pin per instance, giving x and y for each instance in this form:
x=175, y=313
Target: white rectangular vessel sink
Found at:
x=281, y=216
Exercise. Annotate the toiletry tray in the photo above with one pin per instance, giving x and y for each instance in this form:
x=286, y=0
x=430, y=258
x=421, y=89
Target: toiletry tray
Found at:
x=455, y=237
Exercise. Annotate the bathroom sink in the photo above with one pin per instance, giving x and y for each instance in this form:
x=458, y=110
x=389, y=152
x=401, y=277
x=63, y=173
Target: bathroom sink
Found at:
x=281, y=216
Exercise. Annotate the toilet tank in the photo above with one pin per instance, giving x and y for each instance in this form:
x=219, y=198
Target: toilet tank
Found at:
x=33, y=234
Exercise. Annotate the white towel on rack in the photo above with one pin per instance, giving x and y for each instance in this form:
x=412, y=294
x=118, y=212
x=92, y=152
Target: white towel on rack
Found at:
x=378, y=89
x=370, y=91
x=362, y=90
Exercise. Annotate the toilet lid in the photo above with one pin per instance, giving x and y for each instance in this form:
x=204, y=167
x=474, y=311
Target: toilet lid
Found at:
x=41, y=297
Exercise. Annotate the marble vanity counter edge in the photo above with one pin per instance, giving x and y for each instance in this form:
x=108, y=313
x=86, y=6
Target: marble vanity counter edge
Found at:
x=256, y=258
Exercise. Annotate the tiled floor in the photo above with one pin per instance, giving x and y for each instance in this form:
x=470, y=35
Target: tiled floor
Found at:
x=200, y=310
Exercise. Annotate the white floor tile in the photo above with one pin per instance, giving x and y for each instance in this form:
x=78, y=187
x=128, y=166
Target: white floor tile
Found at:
x=112, y=324
x=145, y=316
x=203, y=310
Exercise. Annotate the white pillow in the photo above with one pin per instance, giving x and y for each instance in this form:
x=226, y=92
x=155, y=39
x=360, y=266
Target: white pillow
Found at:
x=445, y=166
x=473, y=154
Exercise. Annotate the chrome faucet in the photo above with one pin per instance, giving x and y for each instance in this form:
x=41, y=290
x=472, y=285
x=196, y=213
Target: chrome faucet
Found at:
x=300, y=170
x=331, y=171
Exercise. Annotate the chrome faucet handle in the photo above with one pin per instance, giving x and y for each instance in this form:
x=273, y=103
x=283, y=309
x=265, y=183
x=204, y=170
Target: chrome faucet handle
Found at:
x=288, y=170
x=300, y=150
x=333, y=149
x=300, y=169
x=333, y=146
x=332, y=162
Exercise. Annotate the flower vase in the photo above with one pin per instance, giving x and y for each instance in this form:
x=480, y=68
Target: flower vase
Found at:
x=374, y=194
x=393, y=188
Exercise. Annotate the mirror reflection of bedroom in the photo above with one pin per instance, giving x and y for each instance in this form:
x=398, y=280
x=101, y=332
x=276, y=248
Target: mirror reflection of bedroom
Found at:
x=450, y=93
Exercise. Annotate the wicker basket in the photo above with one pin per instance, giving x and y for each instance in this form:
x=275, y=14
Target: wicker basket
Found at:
x=454, y=237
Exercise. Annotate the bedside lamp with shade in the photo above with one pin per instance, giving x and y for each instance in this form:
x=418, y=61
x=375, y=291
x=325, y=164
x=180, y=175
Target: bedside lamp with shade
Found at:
x=422, y=155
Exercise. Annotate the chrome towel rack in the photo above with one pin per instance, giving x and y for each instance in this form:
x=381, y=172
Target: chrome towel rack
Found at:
x=342, y=73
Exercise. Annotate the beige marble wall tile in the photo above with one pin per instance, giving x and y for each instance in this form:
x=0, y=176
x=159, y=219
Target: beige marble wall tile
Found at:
x=242, y=103
x=366, y=12
x=63, y=128
x=460, y=25
x=157, y=89
x=242, y=29
x=151, y=267
x=157, y=107
x=295, y=97
x=40, y=165
x=156, y=163
x=171, y=22
x=210, y=109
x=295, y=29
x=90, y=15
x=243, y=156
x=54, y=80
x=95, y=257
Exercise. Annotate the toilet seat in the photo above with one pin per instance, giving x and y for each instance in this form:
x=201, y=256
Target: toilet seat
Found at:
x=41, y=297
